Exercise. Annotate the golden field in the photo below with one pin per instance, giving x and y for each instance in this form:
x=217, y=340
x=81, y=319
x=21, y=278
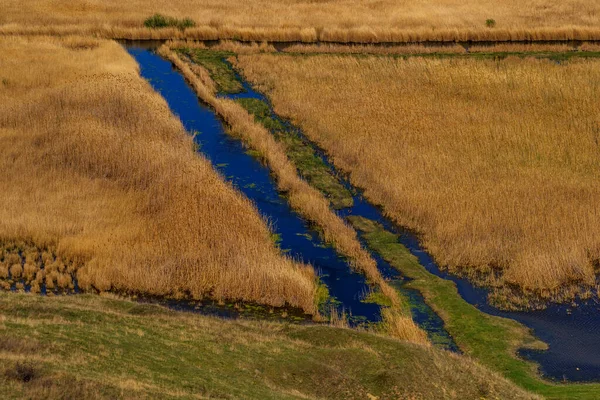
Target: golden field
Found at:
x=99, y=179
x=292, y=20
x=495, y=163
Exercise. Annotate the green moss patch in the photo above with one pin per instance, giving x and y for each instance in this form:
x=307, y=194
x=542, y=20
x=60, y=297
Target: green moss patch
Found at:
x=217, y=66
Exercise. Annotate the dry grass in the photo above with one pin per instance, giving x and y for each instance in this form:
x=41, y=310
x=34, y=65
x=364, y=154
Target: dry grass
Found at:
x=521, y=48
x=590, y=47
x=241, y=47
x=298, y=20
x=95, y=165
x=308, y=201
x=225, y=45
x=495, y=163
x=374, y=49
x=402, y=49
x=27, y=264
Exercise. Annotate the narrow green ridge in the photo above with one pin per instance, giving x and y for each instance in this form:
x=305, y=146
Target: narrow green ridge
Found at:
x=376, y=296
x=491, y=340
x=441, y=339
x=220, y=70
x=309, y=165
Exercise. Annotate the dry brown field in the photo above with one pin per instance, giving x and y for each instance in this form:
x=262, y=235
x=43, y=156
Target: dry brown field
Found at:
x=495, y=164
x=99, y=179
x=333, y=20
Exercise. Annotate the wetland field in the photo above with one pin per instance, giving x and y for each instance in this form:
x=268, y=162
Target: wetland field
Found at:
x=291, y=199
x=495, y=162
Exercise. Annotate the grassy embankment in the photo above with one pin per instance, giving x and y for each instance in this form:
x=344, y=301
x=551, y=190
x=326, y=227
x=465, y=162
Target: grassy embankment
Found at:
x=508, y=148
x=102, y=183
x=364, y=21
x=95, y=347
x=308, y=201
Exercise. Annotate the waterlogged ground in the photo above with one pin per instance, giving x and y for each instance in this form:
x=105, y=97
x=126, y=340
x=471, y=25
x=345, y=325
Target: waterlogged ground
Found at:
x=253, y=179
x=570, y=331
x=348, y=289
x=574, y=346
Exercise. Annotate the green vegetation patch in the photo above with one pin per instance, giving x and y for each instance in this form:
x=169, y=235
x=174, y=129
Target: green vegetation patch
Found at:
x=158, y=21
x=93, y=347
x=309, y=165
x=217, y=66
x=493, y=341
x=377, y=297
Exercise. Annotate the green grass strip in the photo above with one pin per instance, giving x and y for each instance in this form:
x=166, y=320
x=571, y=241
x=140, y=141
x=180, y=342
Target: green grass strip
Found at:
x=491, y=340
x=309, y=165
x=215, y=63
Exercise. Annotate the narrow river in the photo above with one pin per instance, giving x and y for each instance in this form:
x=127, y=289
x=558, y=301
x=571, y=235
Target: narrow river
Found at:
x=252, y=178
x=572, y=333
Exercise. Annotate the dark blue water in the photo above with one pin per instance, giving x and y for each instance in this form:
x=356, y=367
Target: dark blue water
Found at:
x=253, y=179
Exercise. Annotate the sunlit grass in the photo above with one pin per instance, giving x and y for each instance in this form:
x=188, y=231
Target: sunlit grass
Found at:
x=363, y=21
x=94, y=347
x=494, y=162
x=96, y=169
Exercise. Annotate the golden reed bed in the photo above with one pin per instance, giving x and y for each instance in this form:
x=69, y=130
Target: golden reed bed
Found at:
x=96, y=168
x=495, y=163
x=296, y=20
x=400, y=49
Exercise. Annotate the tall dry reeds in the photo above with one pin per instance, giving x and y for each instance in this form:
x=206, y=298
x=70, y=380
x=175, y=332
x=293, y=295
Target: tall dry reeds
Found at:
x=365, y=21
x=308, y=201
x=495, y=163
x=408, y=49
x=225, y=45
x=95, y=165
x=521, y=48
